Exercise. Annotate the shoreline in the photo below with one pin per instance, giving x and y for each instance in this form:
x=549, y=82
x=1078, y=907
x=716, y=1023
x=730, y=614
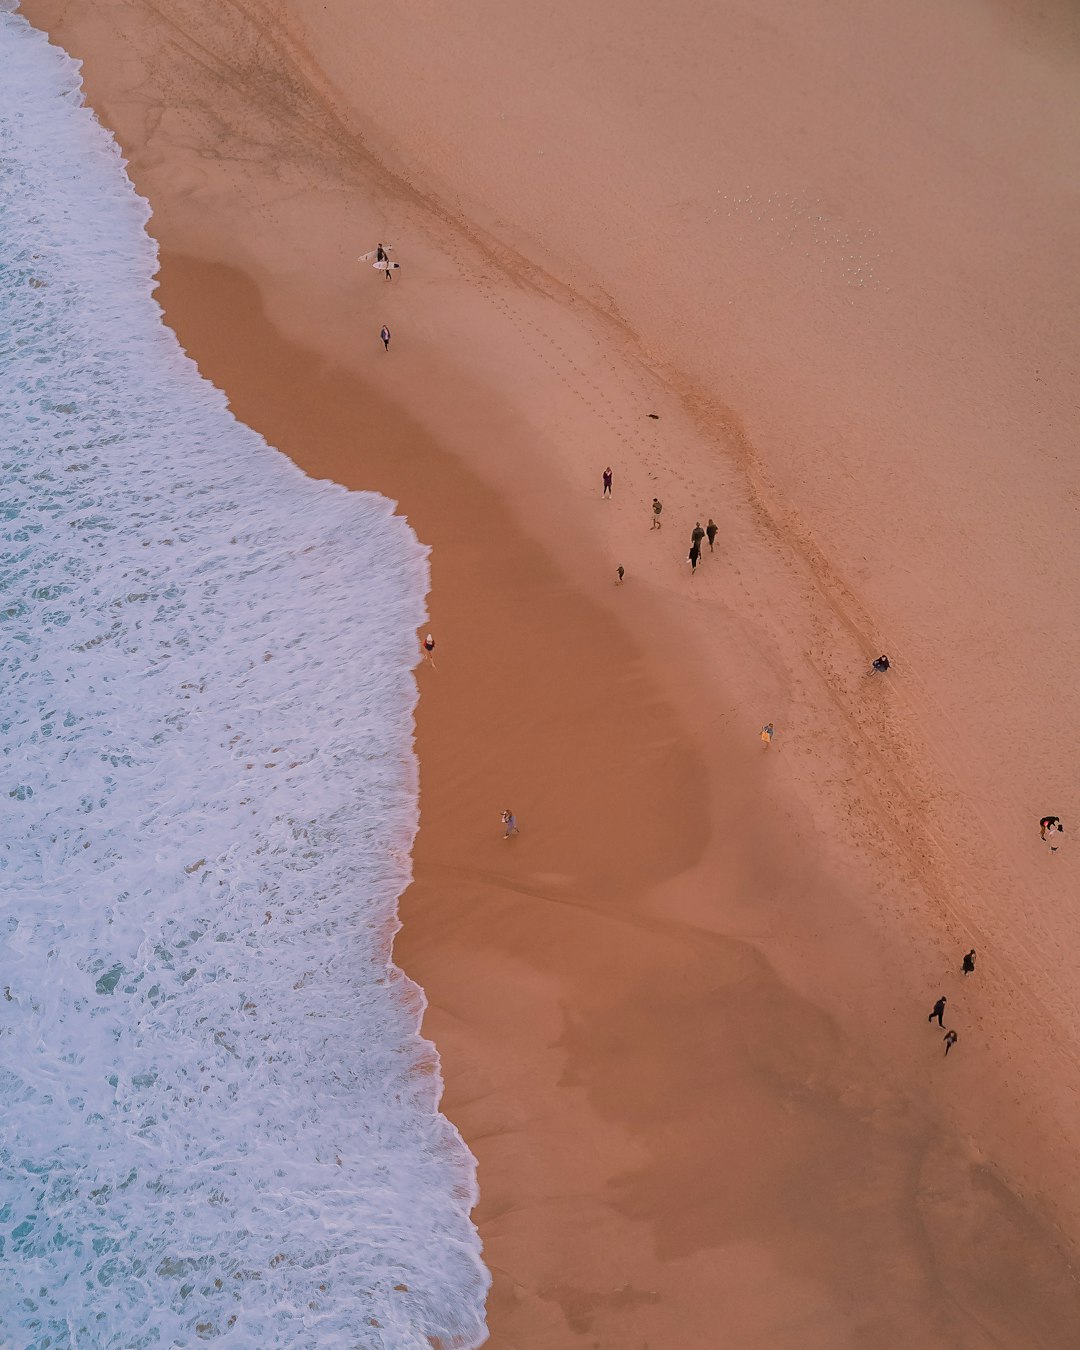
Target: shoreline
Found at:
x=595, y=1060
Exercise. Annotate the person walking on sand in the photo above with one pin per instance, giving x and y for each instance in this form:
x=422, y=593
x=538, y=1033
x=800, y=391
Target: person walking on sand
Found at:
x=969, y=962
x=384, y=333
x=429, y=650
x=694, y=555
x=767, y=735
x=697, y=535
x=938, y=1012
x=509, y=820
x=621, y=573
x=657, y=507
x=710, y=531
x=607, y=481
x=950, y=1040
x=1050, y=830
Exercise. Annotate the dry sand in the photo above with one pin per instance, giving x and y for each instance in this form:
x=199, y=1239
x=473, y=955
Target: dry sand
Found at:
x=682, y=1016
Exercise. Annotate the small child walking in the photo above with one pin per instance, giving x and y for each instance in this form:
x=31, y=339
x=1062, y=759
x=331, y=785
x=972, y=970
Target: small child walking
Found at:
x=509, y=820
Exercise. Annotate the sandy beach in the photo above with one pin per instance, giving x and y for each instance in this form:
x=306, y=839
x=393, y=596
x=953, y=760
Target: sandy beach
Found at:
x=812, y=275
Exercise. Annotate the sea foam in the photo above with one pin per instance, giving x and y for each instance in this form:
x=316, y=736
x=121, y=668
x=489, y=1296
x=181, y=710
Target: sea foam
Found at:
x=218, y=1119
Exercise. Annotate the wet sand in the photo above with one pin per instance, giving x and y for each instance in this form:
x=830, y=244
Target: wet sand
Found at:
x=682, y=1016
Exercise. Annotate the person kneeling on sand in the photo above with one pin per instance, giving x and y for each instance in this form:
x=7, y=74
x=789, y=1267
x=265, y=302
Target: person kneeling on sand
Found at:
x=880, y=665
x=510, y=821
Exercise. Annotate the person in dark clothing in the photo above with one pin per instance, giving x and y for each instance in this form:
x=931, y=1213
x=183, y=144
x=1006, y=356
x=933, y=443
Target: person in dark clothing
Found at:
x=384, y=333
x=969, y=962
x=939, y=1012
x=622, y=572
x=697, y=536
x=710, y=531
x=695, y=554
x=607, y=482
x=880, y=664
x=950, y=1040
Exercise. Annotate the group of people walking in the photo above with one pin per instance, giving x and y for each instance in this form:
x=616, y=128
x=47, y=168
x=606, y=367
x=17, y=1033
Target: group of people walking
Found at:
x=1051, y=832
x=937, y=1012
x=382, y=261
x=697, y=534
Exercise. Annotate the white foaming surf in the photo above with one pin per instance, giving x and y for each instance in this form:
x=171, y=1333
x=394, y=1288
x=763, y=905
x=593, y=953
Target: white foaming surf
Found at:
x=218, y=1118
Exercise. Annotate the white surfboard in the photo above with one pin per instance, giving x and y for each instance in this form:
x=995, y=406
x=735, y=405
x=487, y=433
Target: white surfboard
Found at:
x=387, y=265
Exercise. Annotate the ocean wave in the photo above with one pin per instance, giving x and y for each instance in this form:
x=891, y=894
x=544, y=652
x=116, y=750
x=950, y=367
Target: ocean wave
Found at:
x=219, y=1117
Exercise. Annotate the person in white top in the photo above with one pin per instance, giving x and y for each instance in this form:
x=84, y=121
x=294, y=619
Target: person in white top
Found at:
x=1051, y=831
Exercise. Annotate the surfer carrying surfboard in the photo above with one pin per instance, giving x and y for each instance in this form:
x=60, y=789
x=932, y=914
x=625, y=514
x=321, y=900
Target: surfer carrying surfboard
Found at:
x=381, y=255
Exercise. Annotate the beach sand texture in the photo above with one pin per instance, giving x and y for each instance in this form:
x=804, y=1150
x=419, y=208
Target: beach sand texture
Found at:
x=833, y=248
